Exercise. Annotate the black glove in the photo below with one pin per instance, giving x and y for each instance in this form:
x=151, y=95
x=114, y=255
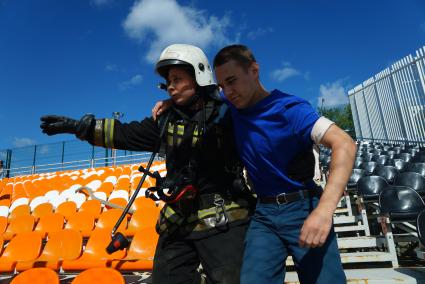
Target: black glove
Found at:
x=53, y=124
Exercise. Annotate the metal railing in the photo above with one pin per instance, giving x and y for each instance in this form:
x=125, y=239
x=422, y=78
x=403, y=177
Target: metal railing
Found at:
x=62, y=156
x=391, y=104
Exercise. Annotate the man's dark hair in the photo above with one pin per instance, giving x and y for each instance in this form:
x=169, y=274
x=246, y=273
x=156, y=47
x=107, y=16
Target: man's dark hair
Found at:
x=241, y=54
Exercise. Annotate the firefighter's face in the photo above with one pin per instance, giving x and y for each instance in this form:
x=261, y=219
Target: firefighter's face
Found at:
x=180, y=85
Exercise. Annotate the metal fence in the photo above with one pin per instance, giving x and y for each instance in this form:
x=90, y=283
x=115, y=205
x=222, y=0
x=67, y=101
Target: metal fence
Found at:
x=64, y=156
x=390, y=106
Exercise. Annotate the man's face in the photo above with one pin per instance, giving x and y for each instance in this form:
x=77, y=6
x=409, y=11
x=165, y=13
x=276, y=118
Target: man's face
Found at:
x=180, y=85
x=239, y=85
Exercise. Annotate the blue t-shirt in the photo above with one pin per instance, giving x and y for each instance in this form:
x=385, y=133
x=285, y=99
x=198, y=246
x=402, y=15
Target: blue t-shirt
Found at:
x=268, y=135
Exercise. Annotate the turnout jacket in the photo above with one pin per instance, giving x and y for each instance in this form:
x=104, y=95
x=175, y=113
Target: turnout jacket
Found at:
x=202, y=139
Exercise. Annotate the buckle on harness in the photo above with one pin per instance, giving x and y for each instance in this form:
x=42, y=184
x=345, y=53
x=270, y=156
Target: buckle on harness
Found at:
x=281, y=198
x=219, y=204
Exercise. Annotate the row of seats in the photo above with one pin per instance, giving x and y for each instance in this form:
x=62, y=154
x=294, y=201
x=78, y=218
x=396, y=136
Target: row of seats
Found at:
x=65, y=250
x=89, y=276
x=73, y=234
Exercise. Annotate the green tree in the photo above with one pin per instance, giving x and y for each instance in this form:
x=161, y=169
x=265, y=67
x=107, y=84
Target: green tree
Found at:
x=342, y=116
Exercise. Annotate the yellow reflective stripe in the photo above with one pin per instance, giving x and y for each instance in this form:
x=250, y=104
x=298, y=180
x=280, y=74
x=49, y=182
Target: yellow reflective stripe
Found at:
x=111, y=132
x=195, y=136
x=180, y=129
x=108, y=130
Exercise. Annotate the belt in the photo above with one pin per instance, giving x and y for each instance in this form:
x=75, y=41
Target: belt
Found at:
x=284, y=198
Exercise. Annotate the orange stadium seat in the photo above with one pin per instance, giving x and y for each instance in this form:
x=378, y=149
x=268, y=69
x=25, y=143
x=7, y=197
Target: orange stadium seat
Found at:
x=3, y=224
x=108, y=219
x=52, y=222
x=23, y=247
x=141, y=219
x=106, y=187
x=67, y=209
x=81, y=221
x=20, y=224
x=99, y=275
x=21, y=210
x=93, y=207
x=141, y=252
x=36, y=276
x=60, y=246
x=94, y=254
x=42, y=210
x=143, y=202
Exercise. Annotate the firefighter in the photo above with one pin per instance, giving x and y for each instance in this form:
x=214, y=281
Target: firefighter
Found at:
x=208, y=206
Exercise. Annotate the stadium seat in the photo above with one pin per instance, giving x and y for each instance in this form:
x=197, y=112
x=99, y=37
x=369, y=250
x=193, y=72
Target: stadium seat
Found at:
x=99, y=275
x=109, y=218
x=356, y=174
x=420, y=158
x=36, y=276
x=42, y=210
x=382, y=160
x=358, y=163
x=369, y=187
x=20, y=224
x=407, y=157
x=81, y=221
x=141, y=219
x=387, y=172
x=416, y=168
x=369, y=167
x=60, y=246
x=93, y=207
x=23, y=247
x=142, y=203
x=140, y=253
x=413, y=180
x=52, y=222
x=94, y=254
x=3, y=225
x=67, y=209
x=400, y=203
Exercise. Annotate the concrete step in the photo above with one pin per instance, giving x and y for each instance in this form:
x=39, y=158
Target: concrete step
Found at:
x=344, y=219
x=354, y=228
x=360, y=242
x=356, y=257
x=376, y=276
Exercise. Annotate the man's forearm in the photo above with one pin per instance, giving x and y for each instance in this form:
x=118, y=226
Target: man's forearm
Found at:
x=343, y=155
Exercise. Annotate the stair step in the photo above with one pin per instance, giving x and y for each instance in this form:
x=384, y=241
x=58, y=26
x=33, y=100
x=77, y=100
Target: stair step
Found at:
x=356, y=257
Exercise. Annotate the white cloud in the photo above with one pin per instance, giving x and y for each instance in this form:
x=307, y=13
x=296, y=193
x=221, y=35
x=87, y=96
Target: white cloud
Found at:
x=22, y=142
x=163, y=22
x=259, y=32
x=334, y=94
x=110, y=67
x=134, y=81
x=43, y=149
x=284, y=73
x=101, y=3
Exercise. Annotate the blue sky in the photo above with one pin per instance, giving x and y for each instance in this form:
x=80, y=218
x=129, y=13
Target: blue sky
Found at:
x=97, y=56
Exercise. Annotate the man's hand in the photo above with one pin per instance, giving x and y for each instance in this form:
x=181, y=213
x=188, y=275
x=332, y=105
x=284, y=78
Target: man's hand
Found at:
x=161, y=107
x=316, y=228
x=53, y=124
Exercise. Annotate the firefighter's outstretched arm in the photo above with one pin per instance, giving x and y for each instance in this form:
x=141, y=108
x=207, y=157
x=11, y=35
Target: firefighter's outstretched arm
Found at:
x=105, y=132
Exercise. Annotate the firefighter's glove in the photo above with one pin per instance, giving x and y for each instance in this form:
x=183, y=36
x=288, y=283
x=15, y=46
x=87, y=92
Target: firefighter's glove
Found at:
x=54, y=124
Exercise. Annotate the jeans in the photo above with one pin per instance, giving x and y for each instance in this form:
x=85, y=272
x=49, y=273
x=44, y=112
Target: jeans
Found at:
x=273, y=235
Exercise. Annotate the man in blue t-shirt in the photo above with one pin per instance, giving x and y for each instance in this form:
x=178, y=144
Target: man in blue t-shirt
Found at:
x=275, y=133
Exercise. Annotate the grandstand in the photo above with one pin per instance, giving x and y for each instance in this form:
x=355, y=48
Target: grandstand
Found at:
x=59, y=202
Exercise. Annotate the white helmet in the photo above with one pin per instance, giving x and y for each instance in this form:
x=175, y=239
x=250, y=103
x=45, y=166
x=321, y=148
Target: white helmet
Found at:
x=185, y=54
